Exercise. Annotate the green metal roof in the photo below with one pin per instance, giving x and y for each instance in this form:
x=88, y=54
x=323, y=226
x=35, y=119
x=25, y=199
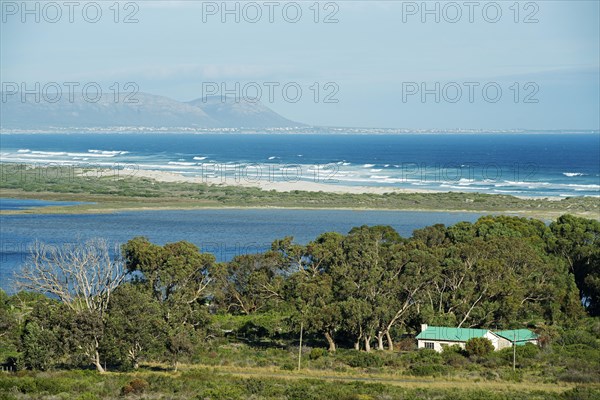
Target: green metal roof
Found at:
x=450, y=334
x=519, y=335
x=464, y=334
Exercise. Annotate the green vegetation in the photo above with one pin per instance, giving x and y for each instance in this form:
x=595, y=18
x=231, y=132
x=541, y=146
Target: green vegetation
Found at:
x=479, y=347
x=211, y=384
x=181, y=325
x=111, y=191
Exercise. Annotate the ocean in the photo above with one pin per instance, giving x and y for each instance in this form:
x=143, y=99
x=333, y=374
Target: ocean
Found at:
x=525, y=164
x=223, y=232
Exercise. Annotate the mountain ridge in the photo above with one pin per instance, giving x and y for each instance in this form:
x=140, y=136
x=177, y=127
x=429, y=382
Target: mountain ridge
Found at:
x=143, y=110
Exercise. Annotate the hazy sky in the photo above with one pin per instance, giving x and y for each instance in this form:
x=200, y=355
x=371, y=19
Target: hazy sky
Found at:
x=376, y=60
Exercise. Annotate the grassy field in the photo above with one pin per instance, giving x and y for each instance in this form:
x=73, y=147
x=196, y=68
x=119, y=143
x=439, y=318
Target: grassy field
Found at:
x=193, y=382
x=110, y=194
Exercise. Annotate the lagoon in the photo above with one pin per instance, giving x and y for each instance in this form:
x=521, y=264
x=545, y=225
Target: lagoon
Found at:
x=223, y=232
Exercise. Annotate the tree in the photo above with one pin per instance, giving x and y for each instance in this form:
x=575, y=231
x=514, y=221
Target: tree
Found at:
x=577, y=240
x=39, y=347
x=8, y=321
x=479, y=346
x=177, y=276
x=46, y=336
x=135, y=326
x=248, y=283
x=83, y=276
x=310, y=288
x=362, y=279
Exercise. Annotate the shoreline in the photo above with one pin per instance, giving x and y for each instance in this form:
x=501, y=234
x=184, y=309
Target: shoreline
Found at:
x=132, y=190
x=304, y=186
x=278, y=186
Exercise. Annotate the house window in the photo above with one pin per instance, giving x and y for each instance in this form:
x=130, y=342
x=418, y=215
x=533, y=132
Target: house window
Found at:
x=444, y=345
x=429, y=345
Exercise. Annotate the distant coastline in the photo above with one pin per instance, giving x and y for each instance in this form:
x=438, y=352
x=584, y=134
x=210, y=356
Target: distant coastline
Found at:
x=306, y=130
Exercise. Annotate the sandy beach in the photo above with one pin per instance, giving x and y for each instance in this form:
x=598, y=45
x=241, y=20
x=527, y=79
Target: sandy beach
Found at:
x=265, y=184
x=283, y=186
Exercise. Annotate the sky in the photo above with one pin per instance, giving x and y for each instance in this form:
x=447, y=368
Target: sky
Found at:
x=395, y=64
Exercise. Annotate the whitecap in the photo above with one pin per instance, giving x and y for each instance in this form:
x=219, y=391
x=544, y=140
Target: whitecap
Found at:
x=108, y=152
x=379, y=177
x=49, y=153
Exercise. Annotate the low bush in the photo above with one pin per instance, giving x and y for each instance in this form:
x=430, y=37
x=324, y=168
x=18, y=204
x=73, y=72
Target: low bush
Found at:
x=361, y=359
x=479, y=347
x=316, y=353
x=429, y=370
x=136, y=386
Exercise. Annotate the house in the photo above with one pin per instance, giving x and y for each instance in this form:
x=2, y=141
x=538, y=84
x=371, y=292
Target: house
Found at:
x=438, y=337
x=519, y=336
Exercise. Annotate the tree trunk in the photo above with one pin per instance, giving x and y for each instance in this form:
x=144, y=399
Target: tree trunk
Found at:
x=367, y=343
x=357, y=344
x=331, y=342
x=97, y=362
x=389, y=341
x=380, y=340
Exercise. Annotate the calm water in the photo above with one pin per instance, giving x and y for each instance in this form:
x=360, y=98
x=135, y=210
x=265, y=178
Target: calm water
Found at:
x=224, y=233
x=518, y=164
x=22, y=204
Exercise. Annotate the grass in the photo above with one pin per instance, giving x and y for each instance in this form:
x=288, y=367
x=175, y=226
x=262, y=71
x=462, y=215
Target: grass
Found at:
x=193, y=382
x=109, y=194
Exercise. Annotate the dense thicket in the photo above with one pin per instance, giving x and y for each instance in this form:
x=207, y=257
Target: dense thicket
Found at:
x=368, y=288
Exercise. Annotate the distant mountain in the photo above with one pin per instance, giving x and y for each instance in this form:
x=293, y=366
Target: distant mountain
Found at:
x=150, y=111
x=241, y=113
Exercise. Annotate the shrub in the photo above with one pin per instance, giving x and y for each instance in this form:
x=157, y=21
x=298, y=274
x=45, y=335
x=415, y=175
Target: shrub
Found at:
x=513, y=376
x=428, y=370
x=126, y=390
x=362, y=359
x=577, y=337
x=406, y=344
x=139, y=385
x=578, y=376
x=524, y=354
x=222, y=392
x=479, y=347
x=136, y=386
x=288, y=366
x=317, y=353
x=581, y=393
x=454, y=358
x=255, y=386
x=87, y=396
x=426, y=356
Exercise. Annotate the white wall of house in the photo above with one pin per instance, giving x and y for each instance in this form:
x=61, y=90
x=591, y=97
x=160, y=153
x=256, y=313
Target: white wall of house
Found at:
x=438, y=345
x=498, y=342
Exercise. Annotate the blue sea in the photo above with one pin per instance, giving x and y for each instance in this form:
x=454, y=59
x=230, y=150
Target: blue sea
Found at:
x=223, y=232
x=522, y=164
